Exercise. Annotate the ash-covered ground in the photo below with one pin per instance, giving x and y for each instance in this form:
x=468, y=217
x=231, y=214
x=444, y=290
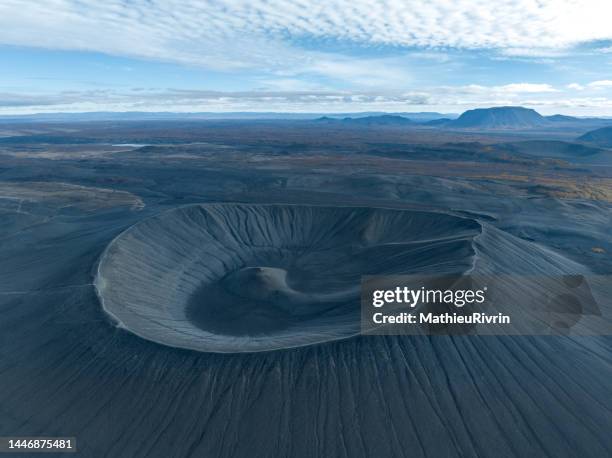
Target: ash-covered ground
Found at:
x=122, y=387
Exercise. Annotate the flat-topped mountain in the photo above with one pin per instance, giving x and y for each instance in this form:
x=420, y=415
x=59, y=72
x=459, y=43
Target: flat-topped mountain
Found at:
x=499, y=118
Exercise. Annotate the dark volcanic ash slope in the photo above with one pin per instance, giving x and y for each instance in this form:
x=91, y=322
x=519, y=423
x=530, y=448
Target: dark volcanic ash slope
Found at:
x=65, y=371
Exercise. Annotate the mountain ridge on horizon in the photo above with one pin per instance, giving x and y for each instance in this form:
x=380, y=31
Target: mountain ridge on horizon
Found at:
x=209, y=115
x=491, y=118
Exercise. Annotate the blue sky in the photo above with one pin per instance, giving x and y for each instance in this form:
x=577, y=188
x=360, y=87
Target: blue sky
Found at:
x=305, y=56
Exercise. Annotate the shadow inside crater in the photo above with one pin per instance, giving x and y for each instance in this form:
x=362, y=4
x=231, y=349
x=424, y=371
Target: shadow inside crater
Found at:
x=258, y=301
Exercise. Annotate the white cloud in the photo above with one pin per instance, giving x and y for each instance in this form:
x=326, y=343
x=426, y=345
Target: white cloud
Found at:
x=207, y=101
x=380, y=73
x=242, y=33
x=518, y=88
x=601, y=84
x=278, y=44
x=553, y=52
x=505, y=90
x=282, y=96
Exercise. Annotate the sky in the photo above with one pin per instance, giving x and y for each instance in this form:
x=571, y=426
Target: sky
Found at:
x=305, y=55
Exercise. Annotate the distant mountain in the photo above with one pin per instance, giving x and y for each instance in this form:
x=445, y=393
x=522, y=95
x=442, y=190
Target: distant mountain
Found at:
x=573, y=122
x=204, y=116
x=562, y=118
x=600, y=137
x=103, y=116
x=382, y=120
x=421, y=116
x=499, y=118
x=438, y=122
x=425, y=116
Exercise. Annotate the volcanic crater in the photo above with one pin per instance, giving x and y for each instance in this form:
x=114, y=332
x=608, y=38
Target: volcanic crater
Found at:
x=231, y=278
